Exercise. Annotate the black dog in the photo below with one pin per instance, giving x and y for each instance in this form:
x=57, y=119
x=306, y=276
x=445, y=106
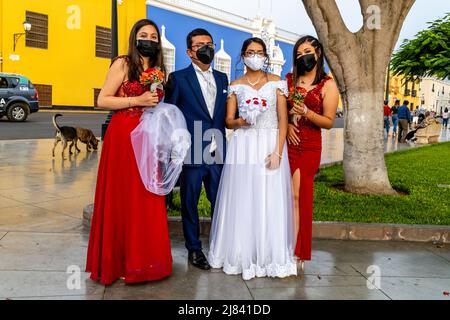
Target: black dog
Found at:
x=66, y=135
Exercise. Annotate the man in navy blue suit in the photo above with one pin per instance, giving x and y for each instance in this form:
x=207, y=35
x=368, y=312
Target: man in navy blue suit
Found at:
x=201, y=93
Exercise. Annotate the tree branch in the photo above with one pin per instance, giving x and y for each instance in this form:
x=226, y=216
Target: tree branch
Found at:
x=333, y=33
x=326, y=16
x=393, y=15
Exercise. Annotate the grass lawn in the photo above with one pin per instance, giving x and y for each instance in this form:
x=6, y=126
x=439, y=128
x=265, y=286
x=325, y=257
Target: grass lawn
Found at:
x=416, y=172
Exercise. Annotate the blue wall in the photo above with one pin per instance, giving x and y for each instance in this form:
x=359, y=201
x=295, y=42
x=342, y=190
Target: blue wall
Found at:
x=178, y=26
x=287, y=51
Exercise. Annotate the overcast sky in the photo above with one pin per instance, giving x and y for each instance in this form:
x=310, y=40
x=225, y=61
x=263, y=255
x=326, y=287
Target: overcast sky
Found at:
x=291, y=15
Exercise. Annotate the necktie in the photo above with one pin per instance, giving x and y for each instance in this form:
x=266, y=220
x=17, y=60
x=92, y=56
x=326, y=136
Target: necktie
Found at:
x=210, y=101
x=210, y=91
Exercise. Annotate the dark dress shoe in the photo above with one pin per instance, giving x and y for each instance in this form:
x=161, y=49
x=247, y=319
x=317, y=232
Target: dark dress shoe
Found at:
x=198, y=260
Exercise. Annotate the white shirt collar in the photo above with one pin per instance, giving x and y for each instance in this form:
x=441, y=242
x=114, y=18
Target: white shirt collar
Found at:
x=197, y=69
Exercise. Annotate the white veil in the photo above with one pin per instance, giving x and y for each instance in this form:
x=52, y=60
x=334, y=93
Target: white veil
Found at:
x=160, y=143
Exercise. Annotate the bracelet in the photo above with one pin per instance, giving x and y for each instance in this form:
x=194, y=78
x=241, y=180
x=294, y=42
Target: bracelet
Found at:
x=313, y=117
x=129, y=102
x=279, y=156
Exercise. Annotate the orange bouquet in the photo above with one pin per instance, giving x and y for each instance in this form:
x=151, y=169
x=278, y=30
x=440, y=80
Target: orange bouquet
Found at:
x=154, y=79
x=297, y=95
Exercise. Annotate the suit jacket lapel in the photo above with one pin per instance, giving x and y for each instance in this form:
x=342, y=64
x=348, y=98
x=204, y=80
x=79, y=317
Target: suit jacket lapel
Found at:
x=219, y=92
x=195, y=85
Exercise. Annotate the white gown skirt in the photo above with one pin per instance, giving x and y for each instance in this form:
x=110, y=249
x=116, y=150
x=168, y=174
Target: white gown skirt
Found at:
x=252, y=231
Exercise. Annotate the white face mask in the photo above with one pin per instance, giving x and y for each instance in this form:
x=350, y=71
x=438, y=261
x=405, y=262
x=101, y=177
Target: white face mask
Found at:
x=255, y=63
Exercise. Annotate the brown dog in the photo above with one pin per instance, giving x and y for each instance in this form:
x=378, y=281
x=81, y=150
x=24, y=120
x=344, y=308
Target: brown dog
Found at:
x=87, y=137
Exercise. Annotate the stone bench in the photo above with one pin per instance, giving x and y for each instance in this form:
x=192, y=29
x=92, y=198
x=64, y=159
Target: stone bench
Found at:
x=429, y=134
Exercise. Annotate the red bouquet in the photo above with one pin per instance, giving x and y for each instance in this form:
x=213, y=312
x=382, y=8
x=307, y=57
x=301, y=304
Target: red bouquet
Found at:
x=154, y=79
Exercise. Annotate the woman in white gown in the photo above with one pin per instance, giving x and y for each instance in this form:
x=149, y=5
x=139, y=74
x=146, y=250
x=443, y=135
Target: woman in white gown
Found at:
x=253, y=227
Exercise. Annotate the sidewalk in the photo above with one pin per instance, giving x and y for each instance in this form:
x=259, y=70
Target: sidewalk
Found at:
x=41, y=235
x=33, y=265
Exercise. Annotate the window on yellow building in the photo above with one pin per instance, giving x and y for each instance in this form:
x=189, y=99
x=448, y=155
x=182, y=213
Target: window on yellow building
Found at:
x=37, y=37
x=45, y=94
x=103, y=42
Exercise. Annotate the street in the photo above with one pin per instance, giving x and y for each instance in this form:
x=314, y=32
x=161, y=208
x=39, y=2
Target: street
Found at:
x=39, y=125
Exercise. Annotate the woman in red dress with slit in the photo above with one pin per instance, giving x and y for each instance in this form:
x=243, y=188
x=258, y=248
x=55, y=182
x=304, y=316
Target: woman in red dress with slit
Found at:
x=304, y=134
x=129, y=236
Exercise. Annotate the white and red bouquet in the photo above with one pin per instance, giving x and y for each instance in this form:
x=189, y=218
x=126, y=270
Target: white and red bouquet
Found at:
x=250, y=109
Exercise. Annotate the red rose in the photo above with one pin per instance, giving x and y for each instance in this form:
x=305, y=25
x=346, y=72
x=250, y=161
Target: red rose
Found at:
x=248, y=101
x=256, y=102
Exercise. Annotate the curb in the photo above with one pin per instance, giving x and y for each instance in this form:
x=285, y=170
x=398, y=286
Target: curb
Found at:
x=335, y=230
x=72, y=111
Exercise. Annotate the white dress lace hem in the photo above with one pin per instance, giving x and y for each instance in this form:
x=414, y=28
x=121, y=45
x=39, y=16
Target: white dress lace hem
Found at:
x=272, y=270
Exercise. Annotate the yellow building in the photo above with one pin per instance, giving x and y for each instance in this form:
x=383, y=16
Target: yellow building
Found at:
x=402, y=90
x=66, y=54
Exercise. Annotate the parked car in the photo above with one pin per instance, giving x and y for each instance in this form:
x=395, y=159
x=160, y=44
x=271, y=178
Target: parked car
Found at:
x=18, y=97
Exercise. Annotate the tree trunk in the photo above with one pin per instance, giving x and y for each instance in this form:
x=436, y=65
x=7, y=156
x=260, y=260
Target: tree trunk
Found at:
x=359, y=62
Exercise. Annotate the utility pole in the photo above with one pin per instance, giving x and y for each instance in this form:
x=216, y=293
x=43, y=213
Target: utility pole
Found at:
x=114, y=53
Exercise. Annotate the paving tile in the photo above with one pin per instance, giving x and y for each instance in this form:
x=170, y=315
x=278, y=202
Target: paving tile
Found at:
x=22, y=251
x=45, y=284
x=441, y=250
x=393, y=258
x=28, y=195
x=71, y=297
x=405, y=288
x=407, y=264
x=7, y=203
x=31, y=218
x=307, y=281
x=70, y=206
x=319, y=293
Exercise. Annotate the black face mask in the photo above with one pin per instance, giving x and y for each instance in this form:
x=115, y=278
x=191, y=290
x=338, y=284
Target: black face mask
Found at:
x=148, y=48
x=306, y=63
x=205, y=54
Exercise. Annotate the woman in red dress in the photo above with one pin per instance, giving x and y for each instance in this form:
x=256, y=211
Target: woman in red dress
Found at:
x=129, y=236
x=304, y=134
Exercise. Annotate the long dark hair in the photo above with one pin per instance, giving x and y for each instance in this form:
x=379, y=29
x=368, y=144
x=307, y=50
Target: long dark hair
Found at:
x=320, y=73
x=244, y=48
x=135, y=62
